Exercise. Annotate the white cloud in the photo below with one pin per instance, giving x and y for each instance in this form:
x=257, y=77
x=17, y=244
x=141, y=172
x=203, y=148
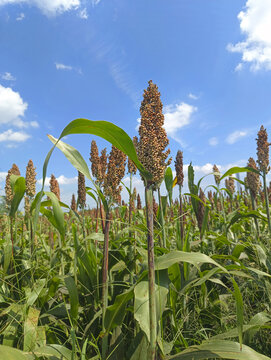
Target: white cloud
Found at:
x=83, y=14
x=48, y=7
x=255, y=24
x=62, y=180
x=213, y=141
x=13, y=136
x=8, y=77
x=177, y=116
x=20, y=17
x=235, y=136
x=193, y=97
x=60, y=66
x=12, y=107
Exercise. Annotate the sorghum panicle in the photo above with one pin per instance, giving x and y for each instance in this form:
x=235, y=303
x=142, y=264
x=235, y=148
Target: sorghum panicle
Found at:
x=30, y=179
x=8, y=190
x=179, y=168
x=153, y=138
x=217, y=174
x=81, y=190
x=54, y=186
x=73, y=203
x=263, y=150
x=253, y=179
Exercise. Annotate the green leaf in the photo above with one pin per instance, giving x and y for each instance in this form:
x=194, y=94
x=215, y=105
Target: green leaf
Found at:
x=58, y=213
x=108, y=131
x=30, y=329
x=54, y=351
x=9, y=353
x=221, y=349
x=74, y=299
x=73, y=155
x=32, y=295
x=236, y=170
x=141, y=305
x=115, y=313
x=19, y=190
x=239, y=310
x=175, y=256
x=169, y=183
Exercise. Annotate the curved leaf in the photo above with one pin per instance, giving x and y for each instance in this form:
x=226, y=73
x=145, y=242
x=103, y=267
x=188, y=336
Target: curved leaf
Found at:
x=175, y=256
x=9, y=353
x=18, y=185
x=218, y=349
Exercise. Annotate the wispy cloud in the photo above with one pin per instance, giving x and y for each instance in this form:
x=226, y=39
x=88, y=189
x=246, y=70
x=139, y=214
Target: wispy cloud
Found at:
x=255, y=24
x=7, y=76
x=192, y=96
x=20, y=17
x=83, y=14
x=60, y=66
x=48, y=7
x=213, y=141
x=64, y=67
x=236, y=136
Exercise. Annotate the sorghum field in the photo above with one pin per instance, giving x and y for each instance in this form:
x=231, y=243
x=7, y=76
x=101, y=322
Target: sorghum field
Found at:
x=179, y=278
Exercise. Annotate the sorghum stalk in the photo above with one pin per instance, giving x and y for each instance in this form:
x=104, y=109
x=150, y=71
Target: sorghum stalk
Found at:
x=180, y=178
x=9, y=197
x=151, y=271
x=253, y=183
x=164, y=243
x=82, y=197
x=105, y=281
x=263, y=162
x=150, y=149
x=115, y=172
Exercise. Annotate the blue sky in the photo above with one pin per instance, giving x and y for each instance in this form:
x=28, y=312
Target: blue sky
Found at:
x=65, y=59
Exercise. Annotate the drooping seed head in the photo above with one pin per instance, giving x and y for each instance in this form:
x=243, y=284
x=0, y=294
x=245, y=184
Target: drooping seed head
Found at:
x=263, y=150
x=30, y=179
x=54, y=186
x=179, y=168
x=153, y=138
x=253, y=179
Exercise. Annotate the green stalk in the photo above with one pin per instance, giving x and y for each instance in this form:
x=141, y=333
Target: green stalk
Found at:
x=181, y=217
x=266, y=202
x=253, y=203
x=152, y=305
x=164, y=243
x=105, y=282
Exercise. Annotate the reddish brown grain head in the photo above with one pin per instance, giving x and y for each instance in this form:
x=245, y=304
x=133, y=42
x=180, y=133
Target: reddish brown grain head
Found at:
x=153, y=138
x=263, y=150
x=179, y=168
x=253, y=179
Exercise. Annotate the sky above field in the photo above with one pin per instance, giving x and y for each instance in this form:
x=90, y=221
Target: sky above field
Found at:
x=65, y=59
